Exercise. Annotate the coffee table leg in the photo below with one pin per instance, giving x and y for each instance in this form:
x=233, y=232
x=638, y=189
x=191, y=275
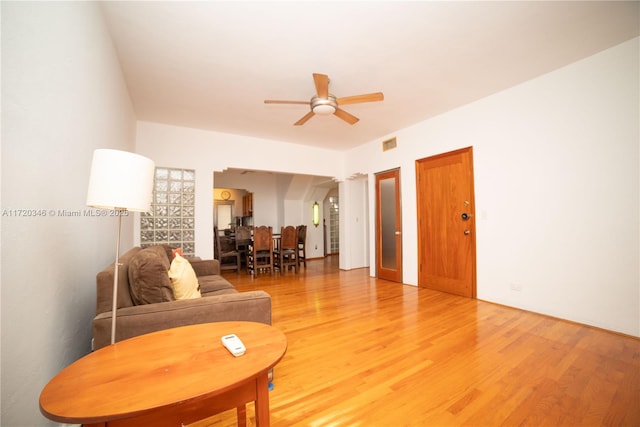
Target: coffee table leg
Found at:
x=262, y=400
x=242, y=415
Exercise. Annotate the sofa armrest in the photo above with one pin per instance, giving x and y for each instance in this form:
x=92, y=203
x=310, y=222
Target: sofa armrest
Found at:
x=254, y=306
x=205, y=267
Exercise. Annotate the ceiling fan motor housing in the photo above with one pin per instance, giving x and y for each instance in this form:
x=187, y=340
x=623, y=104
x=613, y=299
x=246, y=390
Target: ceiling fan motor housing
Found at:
x=324, y=106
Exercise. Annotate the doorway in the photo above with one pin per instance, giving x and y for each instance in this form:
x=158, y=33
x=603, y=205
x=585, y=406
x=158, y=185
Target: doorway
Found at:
x=446, y=223
x=388, y=226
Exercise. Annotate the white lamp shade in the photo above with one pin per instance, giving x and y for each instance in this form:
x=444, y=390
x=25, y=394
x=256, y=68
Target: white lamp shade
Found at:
x=120, y=180
x=324, y=110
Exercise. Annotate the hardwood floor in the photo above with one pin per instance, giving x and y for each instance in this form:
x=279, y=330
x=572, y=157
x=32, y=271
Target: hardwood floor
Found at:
x=367, y=352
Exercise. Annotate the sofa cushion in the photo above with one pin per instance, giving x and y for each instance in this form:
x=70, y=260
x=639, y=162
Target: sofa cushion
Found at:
x=183, y=279
x=164, y=252
x=214, y=283
x=220, y=292
x=148, y=277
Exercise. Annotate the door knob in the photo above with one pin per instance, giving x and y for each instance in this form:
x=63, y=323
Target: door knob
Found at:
x=466, y=232
x=465, y=216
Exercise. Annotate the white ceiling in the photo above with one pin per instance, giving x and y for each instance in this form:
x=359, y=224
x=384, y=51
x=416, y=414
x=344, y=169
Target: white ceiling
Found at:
x=211, y=64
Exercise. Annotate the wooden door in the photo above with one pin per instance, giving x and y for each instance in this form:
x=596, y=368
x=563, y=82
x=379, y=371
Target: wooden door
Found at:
x=388, y=226
x=446, y=223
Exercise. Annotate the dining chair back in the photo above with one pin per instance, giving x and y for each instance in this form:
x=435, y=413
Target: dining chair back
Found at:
x=243, y=242
x=287, y=256
x=302, y=244
x=223, y=252
x=261, y=254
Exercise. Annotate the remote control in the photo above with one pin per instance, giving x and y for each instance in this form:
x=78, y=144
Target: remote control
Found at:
x=233, y=344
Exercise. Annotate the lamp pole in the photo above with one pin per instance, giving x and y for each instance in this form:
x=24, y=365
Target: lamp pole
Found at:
x=116, y=264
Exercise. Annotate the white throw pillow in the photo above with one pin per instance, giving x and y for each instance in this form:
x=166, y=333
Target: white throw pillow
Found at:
x=183, y=279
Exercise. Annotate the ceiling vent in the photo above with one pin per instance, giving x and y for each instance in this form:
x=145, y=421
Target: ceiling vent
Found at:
x=389, y=144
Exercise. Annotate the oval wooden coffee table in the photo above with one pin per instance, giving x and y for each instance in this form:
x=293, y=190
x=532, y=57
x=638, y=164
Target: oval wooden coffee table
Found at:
x=168, y=378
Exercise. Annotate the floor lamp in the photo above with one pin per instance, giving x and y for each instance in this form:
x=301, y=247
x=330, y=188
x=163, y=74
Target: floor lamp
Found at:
x=120, y=181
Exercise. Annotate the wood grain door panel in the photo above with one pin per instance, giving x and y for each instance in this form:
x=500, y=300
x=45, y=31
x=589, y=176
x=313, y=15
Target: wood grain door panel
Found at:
x=446, y=223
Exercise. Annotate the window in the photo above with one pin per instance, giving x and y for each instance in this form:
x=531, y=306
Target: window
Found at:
x=224, y=214
x=172, y=217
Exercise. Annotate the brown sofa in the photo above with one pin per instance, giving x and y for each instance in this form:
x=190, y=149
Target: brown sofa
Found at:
x=151, y=307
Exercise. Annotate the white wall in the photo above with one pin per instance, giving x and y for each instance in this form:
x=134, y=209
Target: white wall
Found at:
x=62, y=97
x=208, y=152
x=293, y=214
x=557, y=189
x=353, y=217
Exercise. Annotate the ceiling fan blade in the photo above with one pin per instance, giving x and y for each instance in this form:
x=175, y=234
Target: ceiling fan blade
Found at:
x=349, y=118
x=304, y=119
x=369, y=97
x=322, y=85
x=273, y=101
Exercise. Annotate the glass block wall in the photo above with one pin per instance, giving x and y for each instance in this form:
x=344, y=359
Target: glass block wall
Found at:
x=172, y=217
x=334, y=227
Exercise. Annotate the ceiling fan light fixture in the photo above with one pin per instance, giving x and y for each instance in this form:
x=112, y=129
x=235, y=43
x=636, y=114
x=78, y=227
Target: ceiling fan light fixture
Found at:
x=324, y=107
x=324, y=110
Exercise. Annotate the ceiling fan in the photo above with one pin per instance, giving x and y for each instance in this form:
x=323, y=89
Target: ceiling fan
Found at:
x=325, y=103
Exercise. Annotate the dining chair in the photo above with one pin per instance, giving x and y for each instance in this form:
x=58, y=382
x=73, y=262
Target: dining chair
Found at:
x=243, y=242
x=287, y=254
x=261, y=253
x=224, y=252
x=302, y=245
